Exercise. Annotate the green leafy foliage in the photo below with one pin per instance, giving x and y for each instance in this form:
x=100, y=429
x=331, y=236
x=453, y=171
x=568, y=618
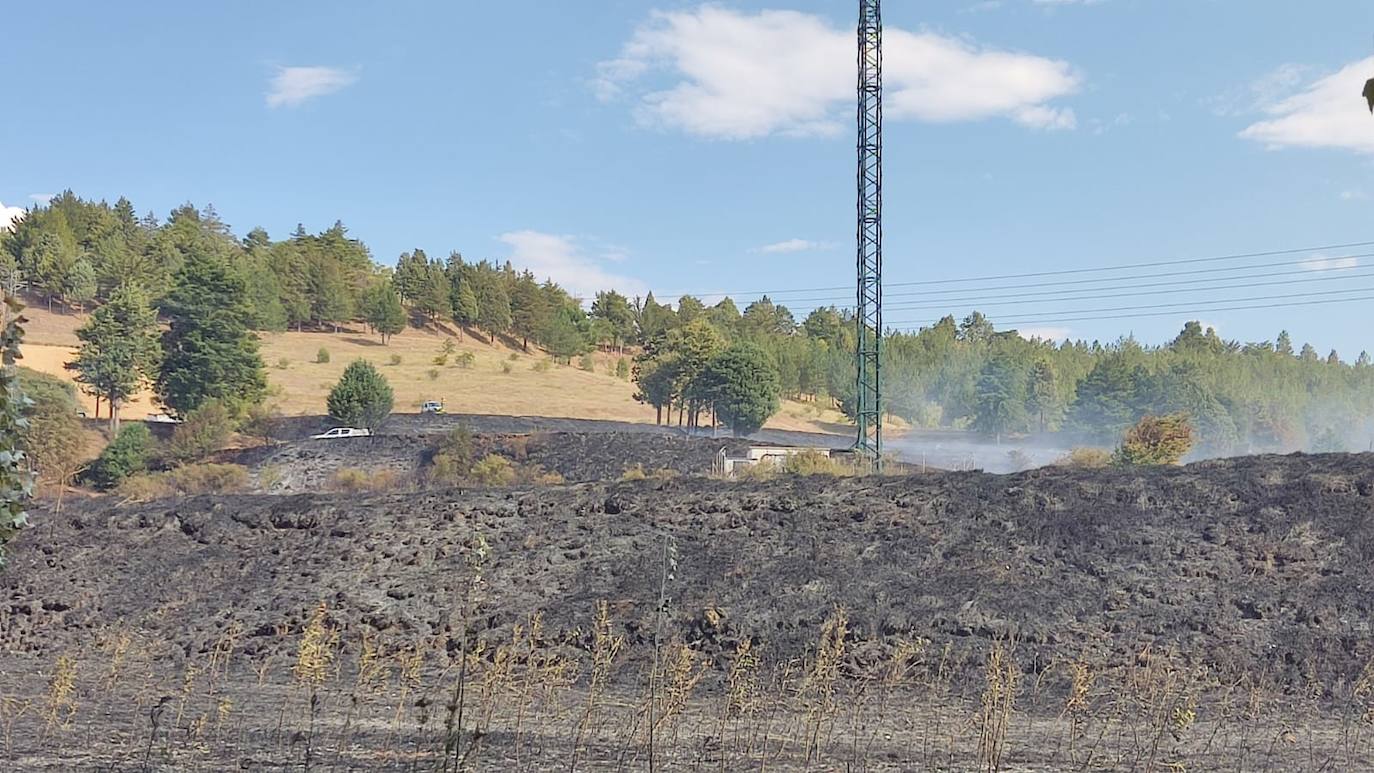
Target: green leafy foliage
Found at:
x=452, y=459
x=128, y=454
x=361, y=398
x=53, y=437
x=120, y=349
x=742, y=384
x=204, y=431
x=1156, y=440
x=16, y=479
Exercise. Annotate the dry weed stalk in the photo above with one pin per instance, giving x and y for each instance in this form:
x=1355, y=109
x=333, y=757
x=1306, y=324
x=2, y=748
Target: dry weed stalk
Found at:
x=741, y=697
x=996, y=706
x=61, y=694
x=117, y=649
x=474, y=556
x=314, y=661
x=605, y=646
x=11, y=710
x=821, y=681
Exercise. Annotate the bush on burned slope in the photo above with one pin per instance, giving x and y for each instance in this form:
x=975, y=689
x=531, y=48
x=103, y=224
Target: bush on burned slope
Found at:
x=1156, y=440
x=129, y=454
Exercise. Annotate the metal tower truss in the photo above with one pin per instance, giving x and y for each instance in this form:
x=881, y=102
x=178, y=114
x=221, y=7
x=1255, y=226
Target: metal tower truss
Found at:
x=869, y=316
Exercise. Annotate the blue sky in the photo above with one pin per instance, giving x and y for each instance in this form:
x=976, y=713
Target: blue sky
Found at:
x=677, y=146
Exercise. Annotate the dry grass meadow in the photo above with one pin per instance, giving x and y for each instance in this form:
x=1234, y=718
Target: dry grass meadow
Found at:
x=466, y=372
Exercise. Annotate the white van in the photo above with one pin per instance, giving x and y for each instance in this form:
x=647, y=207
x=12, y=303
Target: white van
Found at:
x=342, y=432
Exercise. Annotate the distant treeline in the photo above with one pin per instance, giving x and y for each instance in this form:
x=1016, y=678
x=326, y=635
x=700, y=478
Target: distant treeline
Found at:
x=1242, y=396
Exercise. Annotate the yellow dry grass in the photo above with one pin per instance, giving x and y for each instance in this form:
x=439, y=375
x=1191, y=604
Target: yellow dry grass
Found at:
x=483, y=387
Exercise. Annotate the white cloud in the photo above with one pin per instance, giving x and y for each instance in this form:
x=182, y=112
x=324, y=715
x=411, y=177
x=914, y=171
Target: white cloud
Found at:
x=1055, y=334
x=292, y=86
x=1330, y=264
x=1327, y=113
x=1354, y=195
x=9, y=216
x=561, y=259
x=42, y=198
x=735, y=75
x=792, y=245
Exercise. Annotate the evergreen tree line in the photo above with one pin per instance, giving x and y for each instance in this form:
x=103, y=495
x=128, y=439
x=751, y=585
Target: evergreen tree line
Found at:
x=212, y=289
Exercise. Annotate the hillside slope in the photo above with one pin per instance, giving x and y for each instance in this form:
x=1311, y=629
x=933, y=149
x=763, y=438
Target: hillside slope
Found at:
x=497, y=380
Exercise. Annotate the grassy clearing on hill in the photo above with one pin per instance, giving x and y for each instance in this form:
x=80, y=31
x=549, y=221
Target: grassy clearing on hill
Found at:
x=498, y=379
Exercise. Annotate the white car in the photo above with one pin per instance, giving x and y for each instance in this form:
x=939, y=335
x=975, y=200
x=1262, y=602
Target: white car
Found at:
x=342, y=432
x=163, y=418
x=433, y=406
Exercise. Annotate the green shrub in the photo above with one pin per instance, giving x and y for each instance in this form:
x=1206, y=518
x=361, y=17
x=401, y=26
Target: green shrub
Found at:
x=283, y=363
x=362, y=398
x=350, y=479
x=433, y=374
x=494, y=470
x=465, y=359
x=452, y=459
x=53, y=438
x=541, y=367
x=127, y=455
x=322, y=356
x=622, y=369
x=441, y=360
x=506, y=368
x=1156, y=440
x=514, y=357
x=205, y=431
x=395, y=359
x=259, y=421
x=449, y=346
x=585, y=362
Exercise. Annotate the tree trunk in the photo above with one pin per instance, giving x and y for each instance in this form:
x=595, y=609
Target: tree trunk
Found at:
x=658, y=415
x=114, y=417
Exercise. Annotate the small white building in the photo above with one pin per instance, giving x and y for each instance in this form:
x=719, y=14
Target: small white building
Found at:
x=726, y=464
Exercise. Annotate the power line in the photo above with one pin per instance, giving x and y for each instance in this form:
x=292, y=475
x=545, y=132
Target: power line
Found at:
x=1062, y=272
x=1177, y=312
x=993, y=301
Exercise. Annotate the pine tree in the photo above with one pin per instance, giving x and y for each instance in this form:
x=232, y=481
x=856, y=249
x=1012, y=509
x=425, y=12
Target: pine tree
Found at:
x=1284, y=345
x=1042, y=394
x=561, y=337
x=619, y=316
x=119, y=349
x=361, y=398
x=465, y=307
x=412, y=270
x=742, y=385
x=330, y=303
x=493, y=308
x=209, y=351
x=79, y=286
x=529, y=309
x=384, y=312
x=1000, y=398
x=431, y=297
